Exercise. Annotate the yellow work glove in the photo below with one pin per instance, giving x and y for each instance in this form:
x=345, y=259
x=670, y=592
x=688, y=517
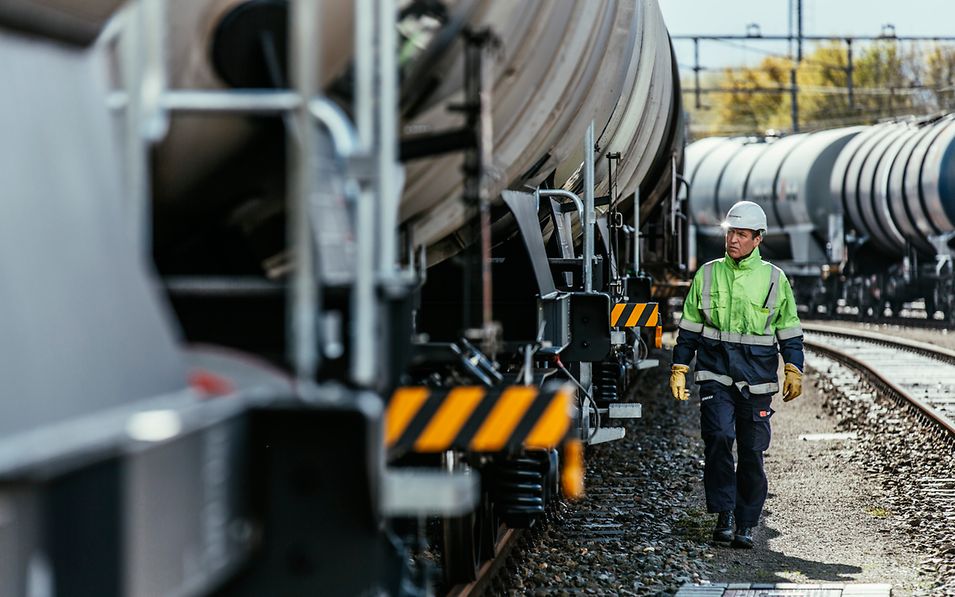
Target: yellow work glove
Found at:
x=678, y=382
x=792, y=385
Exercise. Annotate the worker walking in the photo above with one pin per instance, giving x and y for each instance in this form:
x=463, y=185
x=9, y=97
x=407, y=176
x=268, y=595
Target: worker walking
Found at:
x=739, y=315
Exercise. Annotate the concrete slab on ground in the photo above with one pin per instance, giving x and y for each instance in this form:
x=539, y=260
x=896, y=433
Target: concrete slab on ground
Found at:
x=784, y=590
x=827, y=520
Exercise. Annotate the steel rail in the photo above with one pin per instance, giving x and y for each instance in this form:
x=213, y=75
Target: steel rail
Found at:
x=489, y=569
x=912, y=322
x=881, y=381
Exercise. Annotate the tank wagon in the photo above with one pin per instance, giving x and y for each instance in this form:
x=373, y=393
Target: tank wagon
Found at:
x=298, y=283
x=860, y=216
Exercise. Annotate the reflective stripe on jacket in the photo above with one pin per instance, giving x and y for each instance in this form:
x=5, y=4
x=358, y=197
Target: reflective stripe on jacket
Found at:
x=737, y=319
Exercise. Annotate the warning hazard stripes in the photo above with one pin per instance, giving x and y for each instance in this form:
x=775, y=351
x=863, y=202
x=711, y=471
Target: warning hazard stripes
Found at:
x=630, y=315
x=477, y=419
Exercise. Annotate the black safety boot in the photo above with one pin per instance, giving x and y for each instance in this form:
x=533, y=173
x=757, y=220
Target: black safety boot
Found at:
x=723, y=531
x=743, y=538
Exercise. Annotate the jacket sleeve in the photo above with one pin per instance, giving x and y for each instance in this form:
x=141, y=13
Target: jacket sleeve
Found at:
x=788, y=329
x=691, y=324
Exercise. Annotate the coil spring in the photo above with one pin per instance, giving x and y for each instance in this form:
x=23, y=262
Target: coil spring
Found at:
x=519, y=488
x=606, y=378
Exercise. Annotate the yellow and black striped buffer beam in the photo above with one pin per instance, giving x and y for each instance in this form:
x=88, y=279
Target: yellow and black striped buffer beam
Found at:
x=635, y=315
x=477, y=419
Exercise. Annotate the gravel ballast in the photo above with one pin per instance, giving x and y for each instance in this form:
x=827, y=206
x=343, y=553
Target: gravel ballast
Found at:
x=643, y=530
x=637, y=530
x=911, y=460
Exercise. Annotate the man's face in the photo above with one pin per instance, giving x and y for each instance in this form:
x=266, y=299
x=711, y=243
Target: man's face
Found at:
x=740, y=242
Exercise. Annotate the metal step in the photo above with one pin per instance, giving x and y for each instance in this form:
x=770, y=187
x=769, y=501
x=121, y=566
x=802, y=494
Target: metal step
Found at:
x=607, y=434
x=632, y=410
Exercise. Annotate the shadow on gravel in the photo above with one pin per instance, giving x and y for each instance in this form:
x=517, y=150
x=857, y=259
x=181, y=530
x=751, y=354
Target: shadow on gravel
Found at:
x=767, y=566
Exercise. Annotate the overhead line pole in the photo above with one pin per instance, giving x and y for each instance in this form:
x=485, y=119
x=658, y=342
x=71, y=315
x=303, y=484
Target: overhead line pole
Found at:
x=789, y=26
x=794, y=76
x=794, y=99
x=849, y=70
x=799, y=36
x=696, y=72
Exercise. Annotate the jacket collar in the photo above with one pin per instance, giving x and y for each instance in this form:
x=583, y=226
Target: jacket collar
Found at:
x=746, y=263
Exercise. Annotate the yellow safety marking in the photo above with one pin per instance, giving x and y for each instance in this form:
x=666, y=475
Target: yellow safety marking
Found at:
x=654, y=317
x=635, y=314
x=551, y=428
x=616, y=312
x=503, y=418
x=448, y=420
x=572, y=473
x=404, y=405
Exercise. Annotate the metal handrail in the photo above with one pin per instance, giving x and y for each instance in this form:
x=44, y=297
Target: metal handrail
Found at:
x=304, y=301
x=568, y=195
x=589, y=216
x=561, y=193
x=147, y=102
x=585, y=208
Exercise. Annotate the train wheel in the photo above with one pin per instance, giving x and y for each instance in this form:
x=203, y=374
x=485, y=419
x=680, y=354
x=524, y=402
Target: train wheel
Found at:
x=896, y=307
x=468, y=540
x=946, y=302
x=462, y=549
x=488, y=526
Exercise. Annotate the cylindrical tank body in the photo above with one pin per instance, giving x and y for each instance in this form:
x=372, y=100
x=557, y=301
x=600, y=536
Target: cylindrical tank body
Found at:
x=937, y=180
x=197, y=144
x=890, y=210
x=706, y=163
x=764, y=178
x=788, y=177
x=803, y=187
x=902, y=209
x=694, y=156
x=735, y=177
x=647, y=107
x=915, y=198
x=873, y=209
x=894, y=181
x=559, y=66
x=852, y=181
x=564, y=65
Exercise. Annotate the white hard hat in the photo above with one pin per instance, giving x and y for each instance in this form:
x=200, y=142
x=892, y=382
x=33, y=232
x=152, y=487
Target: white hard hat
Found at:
x=746, y=214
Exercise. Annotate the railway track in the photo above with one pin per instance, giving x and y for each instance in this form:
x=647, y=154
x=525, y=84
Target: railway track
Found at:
x=916, y=373
x=898, y=395
x=490, y=569
x=916, y=319
x=593, y=528
x=895, y=367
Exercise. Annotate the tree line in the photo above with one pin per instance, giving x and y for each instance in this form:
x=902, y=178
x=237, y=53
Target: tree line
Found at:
x=888, y=80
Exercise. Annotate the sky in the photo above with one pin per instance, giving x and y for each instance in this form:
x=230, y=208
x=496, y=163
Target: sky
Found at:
x=820, y=17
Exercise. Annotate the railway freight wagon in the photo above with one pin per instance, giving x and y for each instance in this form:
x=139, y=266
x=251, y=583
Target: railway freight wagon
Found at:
x=293, y=288
x=860, y=217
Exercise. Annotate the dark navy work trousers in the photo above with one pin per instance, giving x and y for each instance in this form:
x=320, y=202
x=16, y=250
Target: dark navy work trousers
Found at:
x=726, y=416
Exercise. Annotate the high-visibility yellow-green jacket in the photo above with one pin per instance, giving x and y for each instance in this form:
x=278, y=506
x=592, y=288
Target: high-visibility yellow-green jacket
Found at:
x=737, y=319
